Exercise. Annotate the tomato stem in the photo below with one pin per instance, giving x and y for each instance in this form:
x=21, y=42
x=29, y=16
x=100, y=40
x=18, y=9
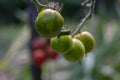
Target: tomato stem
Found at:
x=38, y=5
x=64, y=32
x=88, y=16
x=85, y=2
x=60, y=10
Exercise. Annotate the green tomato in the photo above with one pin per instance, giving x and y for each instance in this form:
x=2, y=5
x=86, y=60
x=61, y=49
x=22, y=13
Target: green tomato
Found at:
x=76, y=52
x=49, y=23
x=61, y=44
x=87, y=39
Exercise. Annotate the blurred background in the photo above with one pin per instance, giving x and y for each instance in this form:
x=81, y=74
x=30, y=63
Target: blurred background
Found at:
x=17, y=31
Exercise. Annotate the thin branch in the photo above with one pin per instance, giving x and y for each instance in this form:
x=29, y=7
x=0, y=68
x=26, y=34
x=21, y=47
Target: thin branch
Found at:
x=85, y=2
x=61, y=8
x=88, y=16
x=38, y=5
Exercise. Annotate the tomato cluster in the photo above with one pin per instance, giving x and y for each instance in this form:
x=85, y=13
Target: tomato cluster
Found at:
x=49, y=24
x=42, y=51
x=73, y=48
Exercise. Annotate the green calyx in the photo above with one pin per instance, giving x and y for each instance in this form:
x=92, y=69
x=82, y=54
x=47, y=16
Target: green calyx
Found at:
x=38, y=5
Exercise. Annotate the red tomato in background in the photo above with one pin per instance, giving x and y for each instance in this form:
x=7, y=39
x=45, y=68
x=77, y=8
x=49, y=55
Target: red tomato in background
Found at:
x=36, y=44
x=51, y=53
x=48, y=41
x=39, y=57
x=39, y=44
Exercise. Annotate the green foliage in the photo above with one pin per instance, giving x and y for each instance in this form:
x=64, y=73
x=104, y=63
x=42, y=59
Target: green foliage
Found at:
x=9, y=8
x=117, y=67
x=25, y=74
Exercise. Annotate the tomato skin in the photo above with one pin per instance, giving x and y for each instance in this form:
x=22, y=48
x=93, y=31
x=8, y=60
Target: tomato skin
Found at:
x=36, y=44
x=49, y=23
x=39, y=57
x=87, y=39
x=51, y=53
x=40, y=43
x=61, y=44
x=76, y=53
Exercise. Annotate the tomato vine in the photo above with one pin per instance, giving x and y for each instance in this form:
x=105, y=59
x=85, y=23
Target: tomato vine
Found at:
x=88, y=16
x=87, y=3
x=50, y=24
x=38, y=5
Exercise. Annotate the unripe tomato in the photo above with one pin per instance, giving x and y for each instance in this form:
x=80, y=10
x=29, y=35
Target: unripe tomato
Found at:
x=87, y=39
x=76, y=53
x=49, y=23
x=39, y=56
x=51, y=53
x=61, y=44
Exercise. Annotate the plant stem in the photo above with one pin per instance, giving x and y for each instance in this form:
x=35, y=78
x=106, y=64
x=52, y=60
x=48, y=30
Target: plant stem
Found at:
x=64, y=32
x=38, y=5
x=88, y=16
x=61, y=8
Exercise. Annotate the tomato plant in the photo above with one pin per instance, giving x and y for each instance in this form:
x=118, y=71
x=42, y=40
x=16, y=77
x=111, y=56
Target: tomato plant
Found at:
x=75, y=53
x=87, y=39
x=49, y=23
x=62, y=43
